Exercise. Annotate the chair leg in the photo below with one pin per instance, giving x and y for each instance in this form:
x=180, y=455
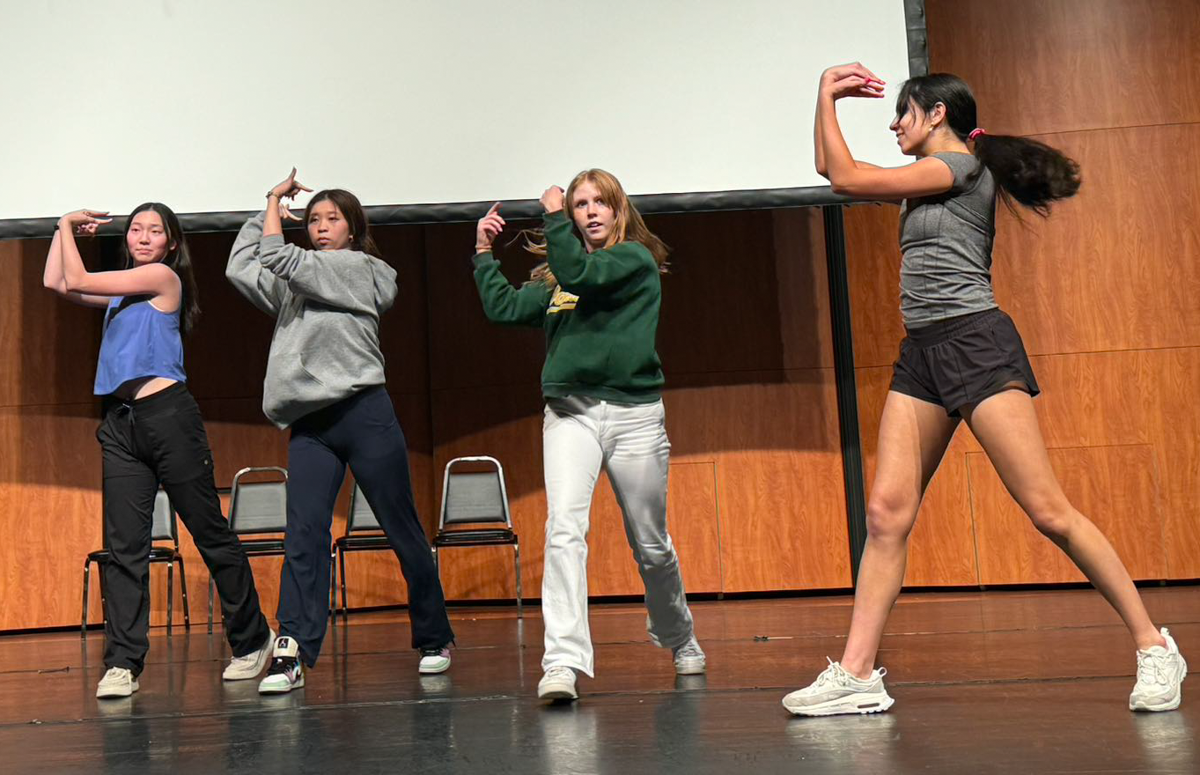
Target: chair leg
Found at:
x=517, y=569
x=87, y=572
x=210, y=604
x=187, y=618
x=342, y=574
x=333, y=587
x=170, y=592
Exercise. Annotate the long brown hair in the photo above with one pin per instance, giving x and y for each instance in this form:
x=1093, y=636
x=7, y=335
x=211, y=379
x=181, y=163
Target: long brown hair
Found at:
x=628, y=225
x=356, y=218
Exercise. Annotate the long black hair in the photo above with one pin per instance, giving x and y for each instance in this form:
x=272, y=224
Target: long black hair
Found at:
x=177, y=258
x=1032, y=173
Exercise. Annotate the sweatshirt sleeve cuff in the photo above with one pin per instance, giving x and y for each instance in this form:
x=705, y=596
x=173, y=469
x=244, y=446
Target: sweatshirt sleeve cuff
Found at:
x=555, y=218
x=483, y=259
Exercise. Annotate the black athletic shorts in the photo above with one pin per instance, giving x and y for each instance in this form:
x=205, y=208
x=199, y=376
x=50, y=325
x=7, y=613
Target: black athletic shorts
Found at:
x=962, y=360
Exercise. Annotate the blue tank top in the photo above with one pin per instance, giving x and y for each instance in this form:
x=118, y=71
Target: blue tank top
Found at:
x=139, y=341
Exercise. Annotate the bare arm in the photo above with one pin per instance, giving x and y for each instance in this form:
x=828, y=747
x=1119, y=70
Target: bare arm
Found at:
x=819, y=150
x=52, y=278
x=922, y=178
x=154, y=280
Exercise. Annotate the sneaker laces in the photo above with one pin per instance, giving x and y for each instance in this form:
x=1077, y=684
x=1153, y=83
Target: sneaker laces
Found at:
x=560, y=673
x=435, y=651
x=834, y=674
x=282, y=665
x=689, y=650
x=1152, y=668
x=115, y=673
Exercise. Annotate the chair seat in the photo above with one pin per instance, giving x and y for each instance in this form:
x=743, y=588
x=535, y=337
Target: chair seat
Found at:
x=475, y=537
x=157, y=554
x=262, y=546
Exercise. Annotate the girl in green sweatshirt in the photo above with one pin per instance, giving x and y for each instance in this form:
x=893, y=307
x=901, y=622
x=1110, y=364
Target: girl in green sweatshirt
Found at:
x=597, y=297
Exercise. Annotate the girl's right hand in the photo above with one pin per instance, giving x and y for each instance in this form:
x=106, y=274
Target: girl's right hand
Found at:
x=84, y=221
x=487, y=228
x=288, y=188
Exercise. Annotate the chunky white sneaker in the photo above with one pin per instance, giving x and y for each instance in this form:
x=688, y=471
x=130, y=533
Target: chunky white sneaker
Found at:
x=117, y=682
x=250, y=665
x=558, y=684
x=836, y=691
x=434, y=660
x=1160, y=675
x=689, y=658
x=286, y=671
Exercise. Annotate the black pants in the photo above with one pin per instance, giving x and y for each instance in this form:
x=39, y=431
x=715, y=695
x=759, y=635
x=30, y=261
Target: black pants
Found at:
x=145, y=442
x=361, y=431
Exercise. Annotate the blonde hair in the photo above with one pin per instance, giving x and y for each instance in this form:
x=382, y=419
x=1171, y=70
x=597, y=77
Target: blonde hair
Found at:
x=628, y=225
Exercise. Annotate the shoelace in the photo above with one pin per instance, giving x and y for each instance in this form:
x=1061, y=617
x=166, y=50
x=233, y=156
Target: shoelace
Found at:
x=559, y=672
x=434, y=652
x=1152, y=668
x=835, y=673
x=688, y=650
x=113, y=673
x=282, y=665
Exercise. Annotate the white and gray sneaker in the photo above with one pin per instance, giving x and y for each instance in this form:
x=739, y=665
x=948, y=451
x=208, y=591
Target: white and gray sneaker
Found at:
x=286, y=671
x=1160, y=675
x=836, y=691
x=434, y=660
x=117, y=682
x=689, y=658
x=558, y=684
x=250, y=665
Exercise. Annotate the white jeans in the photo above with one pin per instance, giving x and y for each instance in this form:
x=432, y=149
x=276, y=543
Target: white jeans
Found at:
x=630, y=441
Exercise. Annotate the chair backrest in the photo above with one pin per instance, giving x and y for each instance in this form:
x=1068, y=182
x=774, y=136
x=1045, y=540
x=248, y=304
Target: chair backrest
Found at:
x=473, y=491
x=162, y=526
x=259, y=506
x=361, y=516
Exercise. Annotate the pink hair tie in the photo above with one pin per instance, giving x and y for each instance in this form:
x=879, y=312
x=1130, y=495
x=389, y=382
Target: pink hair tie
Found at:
x=975, y=133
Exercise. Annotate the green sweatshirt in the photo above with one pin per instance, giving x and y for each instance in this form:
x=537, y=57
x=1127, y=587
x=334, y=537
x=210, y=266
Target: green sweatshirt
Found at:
x=600, y=322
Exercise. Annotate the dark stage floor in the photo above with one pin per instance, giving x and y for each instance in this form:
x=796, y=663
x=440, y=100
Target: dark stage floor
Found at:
x=1003, y=682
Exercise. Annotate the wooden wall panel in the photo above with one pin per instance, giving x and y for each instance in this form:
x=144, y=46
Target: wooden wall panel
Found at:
x=1117, y=488
x=1040, y=66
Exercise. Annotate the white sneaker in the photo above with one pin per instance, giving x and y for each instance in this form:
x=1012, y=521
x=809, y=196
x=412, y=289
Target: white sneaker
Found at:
x=558, y=684
x=250, y=665
x=117, y=682
x=286, y=671
x=1160, y=675
x=435, y=660
x=689, y=658
x=836, y=691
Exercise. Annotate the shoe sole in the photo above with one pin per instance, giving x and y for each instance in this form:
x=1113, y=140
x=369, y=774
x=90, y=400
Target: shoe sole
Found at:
x=1170, y=704
x=862, y=704
x=118, y=694
x=264, y=656
x=282, y=689
x=433, y=670
x=691, y=667
x=558, y=693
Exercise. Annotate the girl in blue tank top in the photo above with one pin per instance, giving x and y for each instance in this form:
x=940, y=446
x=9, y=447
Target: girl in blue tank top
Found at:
x=151, y=436
x=962, y=360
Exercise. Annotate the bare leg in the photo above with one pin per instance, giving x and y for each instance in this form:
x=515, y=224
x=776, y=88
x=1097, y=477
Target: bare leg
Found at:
x=913, y=436
x=1006, y=425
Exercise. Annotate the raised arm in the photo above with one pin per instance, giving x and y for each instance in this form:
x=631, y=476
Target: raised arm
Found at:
x=52, y=277
x=601, y=272
x=922, y=178
x=502, y=303
x=154, y=279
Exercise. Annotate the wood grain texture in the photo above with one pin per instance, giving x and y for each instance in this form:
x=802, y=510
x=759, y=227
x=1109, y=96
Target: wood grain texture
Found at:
x=1039, y=66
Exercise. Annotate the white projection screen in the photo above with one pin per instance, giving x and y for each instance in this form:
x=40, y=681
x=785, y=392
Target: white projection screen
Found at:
x=426, y=108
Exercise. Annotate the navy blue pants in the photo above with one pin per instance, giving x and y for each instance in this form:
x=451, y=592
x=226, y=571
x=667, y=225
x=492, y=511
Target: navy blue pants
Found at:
x=362, y=432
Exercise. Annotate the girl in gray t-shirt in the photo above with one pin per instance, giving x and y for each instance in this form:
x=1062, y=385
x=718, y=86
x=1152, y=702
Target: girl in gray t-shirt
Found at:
x=962, y=359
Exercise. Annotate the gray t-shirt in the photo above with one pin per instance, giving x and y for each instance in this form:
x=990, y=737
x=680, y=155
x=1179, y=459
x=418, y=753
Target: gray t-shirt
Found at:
x=946, y=246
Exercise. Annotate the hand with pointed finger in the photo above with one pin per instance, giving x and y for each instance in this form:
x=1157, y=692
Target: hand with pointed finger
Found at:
x=288, y=188
x=552, y=199
x=488, y=227
x=84, y=221
x=286, y=214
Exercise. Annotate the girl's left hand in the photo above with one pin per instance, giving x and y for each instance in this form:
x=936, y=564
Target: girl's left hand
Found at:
x=552, y=199
x=288, y=187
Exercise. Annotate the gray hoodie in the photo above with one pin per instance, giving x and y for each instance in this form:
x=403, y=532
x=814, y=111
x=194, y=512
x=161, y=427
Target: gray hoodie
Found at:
x=326, y=305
